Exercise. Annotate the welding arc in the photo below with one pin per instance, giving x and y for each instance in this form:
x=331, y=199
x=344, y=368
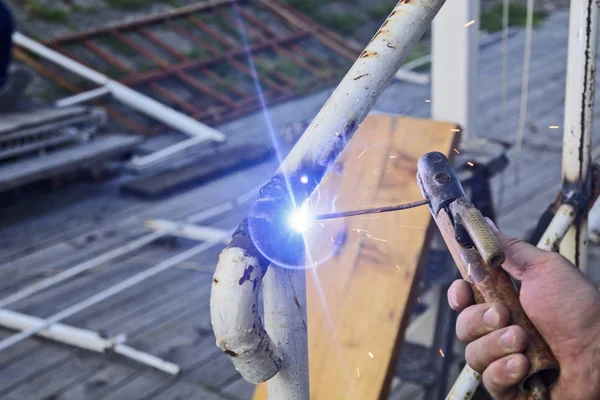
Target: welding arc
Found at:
x=376, y=210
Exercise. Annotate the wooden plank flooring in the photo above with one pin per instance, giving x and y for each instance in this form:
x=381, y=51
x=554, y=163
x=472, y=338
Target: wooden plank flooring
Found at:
x=167, y=315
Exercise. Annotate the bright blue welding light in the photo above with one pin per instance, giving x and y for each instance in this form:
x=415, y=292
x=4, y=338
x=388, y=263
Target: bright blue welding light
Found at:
x=300, y=220
x=304, y=179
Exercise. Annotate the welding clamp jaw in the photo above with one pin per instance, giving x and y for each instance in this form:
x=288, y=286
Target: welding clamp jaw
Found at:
x=440, y=185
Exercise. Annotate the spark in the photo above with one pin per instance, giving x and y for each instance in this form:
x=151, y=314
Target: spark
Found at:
x=419, y=299
x=325, y=180
x=332, y=241
x=360, y=155
x=315, y=265
x=370, y=354
x=469, y=269
x=442, y=352
x=322, y=226
x=392, y=157
x=357, y=372
x=375, y=170
x=397, y=266
x=304, y=179
x=388, y=170
x=456, y=151
x=381, y=240
x=337, y=134
x=369, y=235
x=455, y=130
x=471, y=22
x=359, y=230
x=427, y=101
x=470, y=164
x=554, y=127
x=414, y=227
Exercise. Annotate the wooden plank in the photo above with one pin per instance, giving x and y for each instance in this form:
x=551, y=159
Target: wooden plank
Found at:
x=13, y=122
x=57, y=379
x=183, y=390
x=100, y=383
x=33, y=169
x=360, y=298
x=210, y=167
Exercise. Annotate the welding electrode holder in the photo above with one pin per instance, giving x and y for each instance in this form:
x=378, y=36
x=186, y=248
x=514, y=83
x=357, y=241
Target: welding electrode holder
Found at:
x=478, y=256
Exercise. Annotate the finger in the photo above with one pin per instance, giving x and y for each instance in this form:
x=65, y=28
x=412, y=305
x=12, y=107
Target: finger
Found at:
x=482, y=352
x=460, y=295
x=481, y=319
x=502, y=376
x=523, y=260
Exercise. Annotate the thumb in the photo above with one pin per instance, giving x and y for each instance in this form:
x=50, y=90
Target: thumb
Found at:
x=523, y=260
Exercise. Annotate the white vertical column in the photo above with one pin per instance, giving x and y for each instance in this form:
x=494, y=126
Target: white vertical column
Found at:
x=578, y=124
x=455, y=64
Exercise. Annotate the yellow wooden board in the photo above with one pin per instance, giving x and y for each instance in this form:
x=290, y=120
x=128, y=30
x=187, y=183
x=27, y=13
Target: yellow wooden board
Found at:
x=360, y=289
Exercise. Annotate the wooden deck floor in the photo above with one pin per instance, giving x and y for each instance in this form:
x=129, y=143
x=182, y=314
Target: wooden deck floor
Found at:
x=168, y=315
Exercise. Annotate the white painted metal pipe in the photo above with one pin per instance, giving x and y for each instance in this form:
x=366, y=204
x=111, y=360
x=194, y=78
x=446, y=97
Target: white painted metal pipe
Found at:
x=84, y=339
x=285, y=318
x=78, y=269
x=118, y=252
x=132, y=98
x=141, y=163
x=189, y=231
x=82, y=97
x=234, y=314
x=465, y=385
x=578, y=123
x=454, y=65
x=556, y=230
x=103, y=295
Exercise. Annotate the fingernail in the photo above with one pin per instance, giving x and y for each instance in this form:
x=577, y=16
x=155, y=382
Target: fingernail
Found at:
x=491, y=224
x=507, y=340
x=491, y=317
x=453, y=298
x=511, y=365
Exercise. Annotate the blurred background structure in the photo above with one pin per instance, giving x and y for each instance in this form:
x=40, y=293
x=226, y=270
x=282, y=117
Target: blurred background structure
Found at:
x=143, y=148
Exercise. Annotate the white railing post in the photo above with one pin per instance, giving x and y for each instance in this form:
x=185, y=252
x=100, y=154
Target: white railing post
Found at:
x=454, y=64
x=578, y=127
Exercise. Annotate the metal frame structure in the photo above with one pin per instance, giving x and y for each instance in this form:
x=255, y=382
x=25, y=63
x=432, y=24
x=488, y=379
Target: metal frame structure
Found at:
x=193, y=59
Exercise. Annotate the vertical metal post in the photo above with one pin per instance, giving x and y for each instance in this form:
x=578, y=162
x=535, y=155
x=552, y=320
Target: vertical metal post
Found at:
x=284, y=297
x=577, y=129
x=454, y=66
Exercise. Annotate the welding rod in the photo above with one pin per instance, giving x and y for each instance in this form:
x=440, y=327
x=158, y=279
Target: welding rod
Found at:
x=376, y=210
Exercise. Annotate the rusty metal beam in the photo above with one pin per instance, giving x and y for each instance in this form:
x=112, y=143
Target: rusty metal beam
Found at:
x=301, y=22
x=299, y=53
x=224, y=56
x=228, y=43
x=49, y=74
x=136, y=23
x=97, y=50
x=201, y=86
x=256, y=25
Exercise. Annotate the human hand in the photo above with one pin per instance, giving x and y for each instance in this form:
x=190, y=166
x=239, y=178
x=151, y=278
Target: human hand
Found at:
x=562, y=305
